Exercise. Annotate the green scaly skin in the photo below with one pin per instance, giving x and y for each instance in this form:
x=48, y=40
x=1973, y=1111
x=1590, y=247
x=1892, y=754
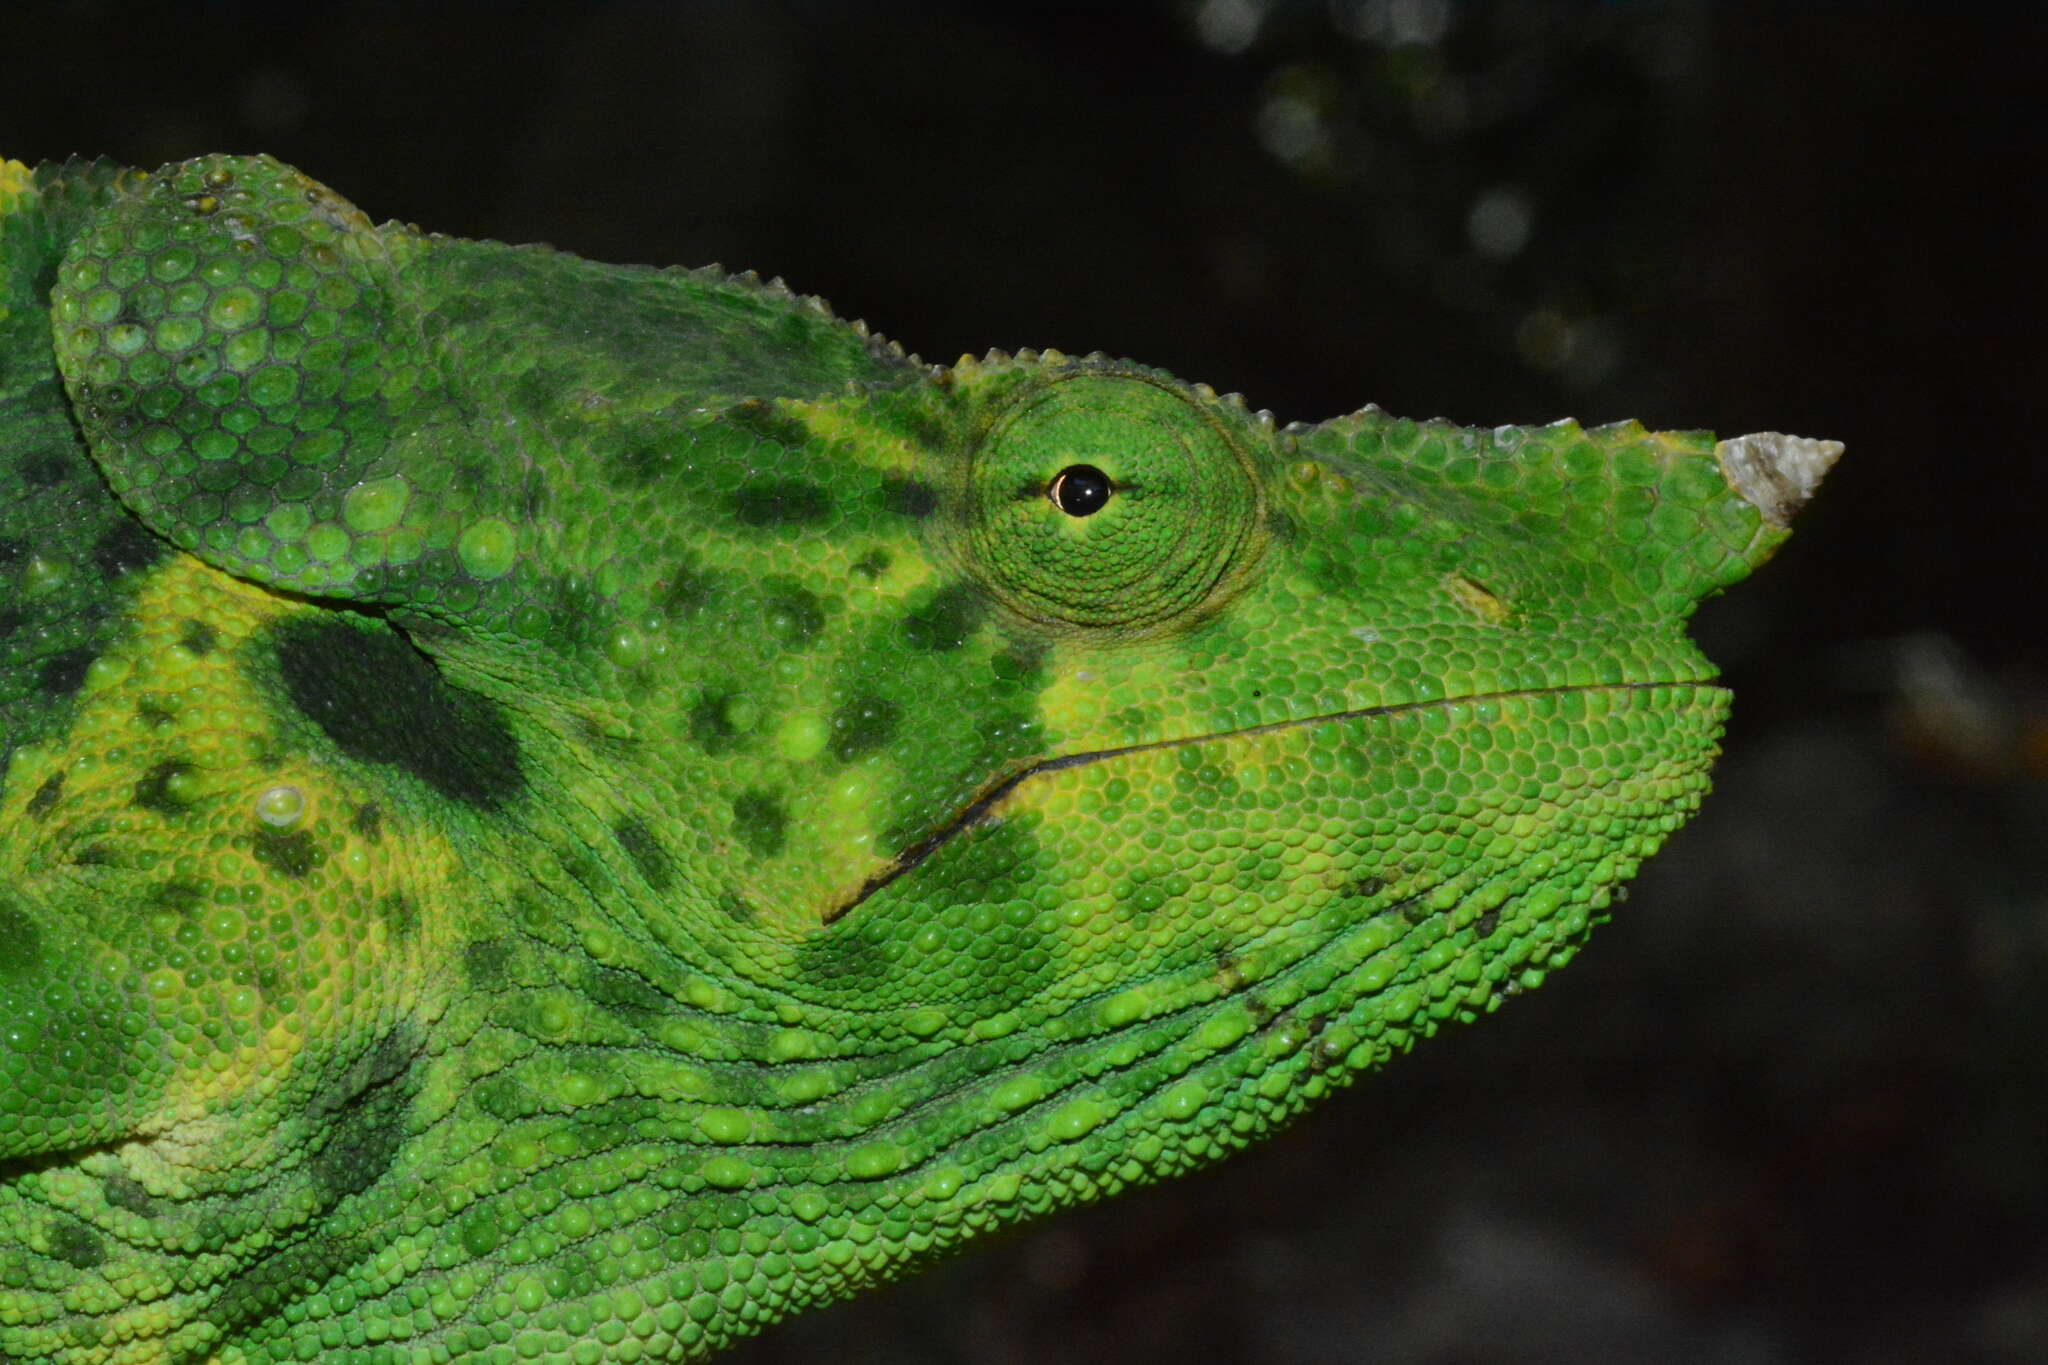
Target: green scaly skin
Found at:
x=560, y=812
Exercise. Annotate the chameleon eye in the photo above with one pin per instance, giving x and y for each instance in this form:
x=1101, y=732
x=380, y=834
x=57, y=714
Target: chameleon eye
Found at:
x=1079, y=490
x=1149, y=528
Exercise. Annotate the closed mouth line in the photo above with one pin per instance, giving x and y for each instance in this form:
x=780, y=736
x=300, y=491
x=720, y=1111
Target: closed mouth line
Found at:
x=977, y=810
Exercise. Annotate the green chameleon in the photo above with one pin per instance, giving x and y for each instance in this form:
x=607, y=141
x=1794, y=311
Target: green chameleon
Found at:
x=563, y=812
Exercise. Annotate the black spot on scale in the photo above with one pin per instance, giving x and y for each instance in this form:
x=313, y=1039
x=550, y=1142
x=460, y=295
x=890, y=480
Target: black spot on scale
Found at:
x=126, y=546
x=153, y=788
x=946, y=619
x=291, y=853
x=760, y=822
x=199, y=638
x=379, y=700
x=1365, y=888
x=1483, y=927
x=909, y=497
x=77, y=1245
x=63, y=674
x=656, y=868
x=780, y=502
x=368, y=822
x=46, y=797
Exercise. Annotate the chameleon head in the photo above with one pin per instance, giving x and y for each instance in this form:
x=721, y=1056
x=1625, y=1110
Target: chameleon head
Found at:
x=541, y=752
x=1328, y=733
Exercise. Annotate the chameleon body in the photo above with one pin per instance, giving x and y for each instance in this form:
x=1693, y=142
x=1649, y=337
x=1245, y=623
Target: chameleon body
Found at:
x=559, y=812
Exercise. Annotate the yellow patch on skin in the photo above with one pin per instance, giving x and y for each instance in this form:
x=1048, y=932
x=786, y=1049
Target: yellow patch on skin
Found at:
x=15, y=178
x=1086, y=697
x=281, y=879
x=1476, y=599
x=865, y=440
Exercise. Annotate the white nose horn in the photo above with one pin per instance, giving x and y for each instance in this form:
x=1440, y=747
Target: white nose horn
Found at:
x=1776, y=473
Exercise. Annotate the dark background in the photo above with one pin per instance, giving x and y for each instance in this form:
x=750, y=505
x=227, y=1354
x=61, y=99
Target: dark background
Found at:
x=1792, y=1105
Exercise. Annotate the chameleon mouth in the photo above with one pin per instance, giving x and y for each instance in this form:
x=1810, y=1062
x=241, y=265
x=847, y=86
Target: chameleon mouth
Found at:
x=983, y=806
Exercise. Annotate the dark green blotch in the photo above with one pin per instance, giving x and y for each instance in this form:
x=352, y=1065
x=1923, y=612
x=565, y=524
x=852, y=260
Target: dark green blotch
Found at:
x=628, y=993
x=873, y=564
x=862, y=725
x=63, y=674
x=154, y=713
x=11, y=621
x=1483, y=927
x=77, y=1245
x=709, y=726
x=126, y=546
x=844, y=956
x=768, y=423
x=124, y=1191
x=485, y=962
x=1019, y=667
x=379, y=700
x=794, y=615
x=781, y=502
x=689, y=590
x=946, y=620
x=656, y=867
x=153, y=788
x=21, y=942
x=181, y=895
x=642, y=456
x=46, y=470
x=368, y=822
x=363, y=1112
x=46, y=797
x=400, y=911
x=909, y=497
x=291, y=853
x=199, y=637
x=760, y=822
x=261, y=1293
x=1366, y=887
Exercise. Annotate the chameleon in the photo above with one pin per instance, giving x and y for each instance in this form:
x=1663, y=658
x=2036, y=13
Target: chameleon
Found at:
x=561, y=812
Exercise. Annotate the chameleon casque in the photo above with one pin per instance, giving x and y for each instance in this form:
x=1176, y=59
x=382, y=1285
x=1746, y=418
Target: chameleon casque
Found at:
x=562, y=812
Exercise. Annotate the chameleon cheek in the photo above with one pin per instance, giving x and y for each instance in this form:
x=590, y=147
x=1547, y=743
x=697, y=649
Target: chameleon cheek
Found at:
x=1195, y=869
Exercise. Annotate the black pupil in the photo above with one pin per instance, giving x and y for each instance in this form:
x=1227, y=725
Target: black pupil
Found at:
x=1079, y=490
